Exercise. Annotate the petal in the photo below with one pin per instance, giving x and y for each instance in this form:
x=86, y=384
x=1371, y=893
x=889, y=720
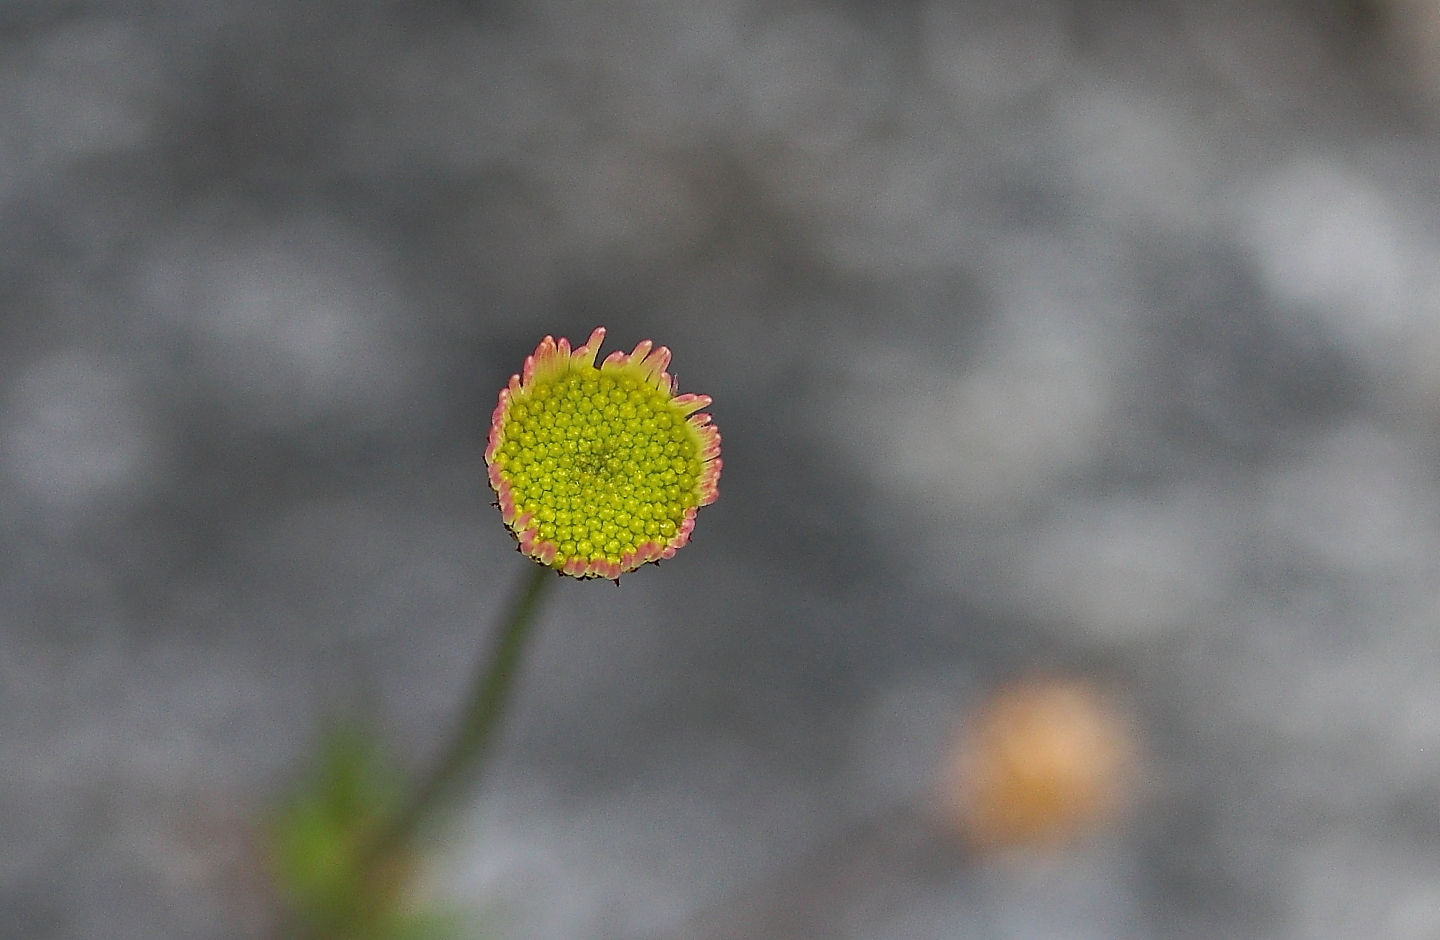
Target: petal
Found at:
x=642, y=349
x=585, y=355
x=541, y=360
x=689, y=403
x=659, y=359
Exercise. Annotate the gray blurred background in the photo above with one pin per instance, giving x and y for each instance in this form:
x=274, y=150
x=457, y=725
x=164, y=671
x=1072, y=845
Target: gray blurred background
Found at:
x=1099, y=337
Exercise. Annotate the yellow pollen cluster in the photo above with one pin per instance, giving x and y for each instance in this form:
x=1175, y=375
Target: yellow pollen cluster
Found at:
x=602, y=464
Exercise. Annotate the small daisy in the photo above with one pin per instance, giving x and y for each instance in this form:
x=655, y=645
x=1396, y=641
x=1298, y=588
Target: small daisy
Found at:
x=601, y=469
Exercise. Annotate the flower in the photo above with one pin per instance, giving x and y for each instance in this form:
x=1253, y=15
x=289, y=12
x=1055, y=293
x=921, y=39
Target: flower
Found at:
x=1042, y=761
x=600, y=469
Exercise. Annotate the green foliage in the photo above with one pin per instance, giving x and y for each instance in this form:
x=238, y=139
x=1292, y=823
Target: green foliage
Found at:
x=323, y=853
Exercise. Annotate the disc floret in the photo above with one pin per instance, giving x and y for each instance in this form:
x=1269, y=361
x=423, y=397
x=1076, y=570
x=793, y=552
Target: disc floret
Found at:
x=600, y=469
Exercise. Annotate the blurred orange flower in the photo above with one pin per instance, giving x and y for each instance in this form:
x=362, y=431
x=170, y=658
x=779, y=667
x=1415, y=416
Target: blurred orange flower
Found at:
x=1041, y=762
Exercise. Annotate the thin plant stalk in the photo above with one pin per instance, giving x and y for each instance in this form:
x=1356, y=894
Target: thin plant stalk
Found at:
x=465, y=756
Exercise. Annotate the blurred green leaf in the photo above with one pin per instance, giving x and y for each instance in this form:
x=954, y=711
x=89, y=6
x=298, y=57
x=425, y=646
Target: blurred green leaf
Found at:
x=321, y=844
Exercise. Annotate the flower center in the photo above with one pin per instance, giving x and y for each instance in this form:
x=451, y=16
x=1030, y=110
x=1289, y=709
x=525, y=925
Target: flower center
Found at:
x=602, y=463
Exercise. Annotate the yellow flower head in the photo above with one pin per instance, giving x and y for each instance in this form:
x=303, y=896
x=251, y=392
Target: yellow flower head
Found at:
x=600, y=469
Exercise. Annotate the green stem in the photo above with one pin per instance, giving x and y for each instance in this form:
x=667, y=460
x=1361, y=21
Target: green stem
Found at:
x=464, y=758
